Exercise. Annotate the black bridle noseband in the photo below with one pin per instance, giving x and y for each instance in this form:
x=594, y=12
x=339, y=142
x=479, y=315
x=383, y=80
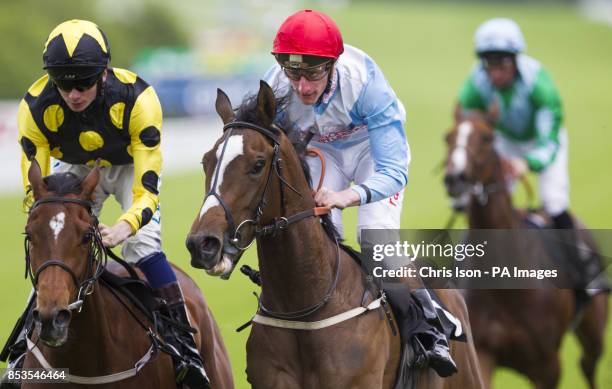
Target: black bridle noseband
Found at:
x=96, y=254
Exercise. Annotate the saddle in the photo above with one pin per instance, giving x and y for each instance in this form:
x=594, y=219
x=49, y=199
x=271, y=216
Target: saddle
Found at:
x=137, y=291
x=142, y=296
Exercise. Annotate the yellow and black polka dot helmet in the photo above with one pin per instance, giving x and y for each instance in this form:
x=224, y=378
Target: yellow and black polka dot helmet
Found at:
x=76, y=49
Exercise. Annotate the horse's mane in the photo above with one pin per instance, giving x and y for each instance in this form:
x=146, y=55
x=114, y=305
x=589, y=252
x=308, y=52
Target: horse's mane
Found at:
x=63, y=183
x=247, y=112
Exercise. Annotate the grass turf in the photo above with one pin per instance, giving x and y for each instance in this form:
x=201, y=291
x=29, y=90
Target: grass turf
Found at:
x=425, y=51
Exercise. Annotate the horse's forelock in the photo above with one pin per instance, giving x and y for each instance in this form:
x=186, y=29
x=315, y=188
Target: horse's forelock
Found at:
x=63, y=183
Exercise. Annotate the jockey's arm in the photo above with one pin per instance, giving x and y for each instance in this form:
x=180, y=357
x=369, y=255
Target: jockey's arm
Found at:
x=145, y=133
x=379, y=108
x=547, y=121
x=33, y=144
x=469, y=97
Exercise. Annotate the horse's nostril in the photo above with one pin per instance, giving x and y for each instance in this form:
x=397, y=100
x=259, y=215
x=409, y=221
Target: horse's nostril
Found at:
x=191, y=245
x=36, y=315
x=62, y=317
x=447, y=179
x=210, y=246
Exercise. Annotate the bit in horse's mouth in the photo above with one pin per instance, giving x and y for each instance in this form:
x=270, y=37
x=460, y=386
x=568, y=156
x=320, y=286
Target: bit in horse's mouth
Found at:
x=223, y=267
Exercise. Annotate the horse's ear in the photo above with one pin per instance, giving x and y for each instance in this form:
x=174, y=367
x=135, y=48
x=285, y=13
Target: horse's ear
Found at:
x=458, y=113
x=89, y=183
x=492, y=113
x=224, y=107
x=266, y=104
x=35, y=178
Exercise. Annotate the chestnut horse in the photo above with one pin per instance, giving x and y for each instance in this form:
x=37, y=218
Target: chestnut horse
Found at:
x=108, y=342
x=519, y=329
x=257, y=190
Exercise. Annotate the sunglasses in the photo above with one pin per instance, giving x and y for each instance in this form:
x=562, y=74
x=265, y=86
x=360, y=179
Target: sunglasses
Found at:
x=81, y=85
x=314, y=73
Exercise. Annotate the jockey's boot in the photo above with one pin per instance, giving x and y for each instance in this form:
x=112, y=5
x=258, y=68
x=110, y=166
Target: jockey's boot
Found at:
x=190, y=369
x=434, y=342
x=585, y=265
x=15, y=348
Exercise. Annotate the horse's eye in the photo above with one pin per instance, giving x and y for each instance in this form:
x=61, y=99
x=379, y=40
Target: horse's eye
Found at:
x=448, y=137
x=86, y=238
x=487, y=138
x=258, y=167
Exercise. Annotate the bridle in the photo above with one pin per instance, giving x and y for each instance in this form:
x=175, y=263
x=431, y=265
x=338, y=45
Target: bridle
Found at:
x=98, y=257
x=234, y=231
x=482, y=191
x=96, y=254
x=279, y=224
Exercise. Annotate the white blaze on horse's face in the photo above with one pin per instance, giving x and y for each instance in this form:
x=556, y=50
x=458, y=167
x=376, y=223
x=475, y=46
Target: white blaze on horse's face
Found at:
x=234, y=149
x=459, y=155
x=57, y=224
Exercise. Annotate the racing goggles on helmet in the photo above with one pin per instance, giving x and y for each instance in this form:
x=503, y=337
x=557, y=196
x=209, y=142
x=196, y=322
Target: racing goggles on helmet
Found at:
x=314, y=73
x=296, y=66
x=81, y=79
x=496, y=59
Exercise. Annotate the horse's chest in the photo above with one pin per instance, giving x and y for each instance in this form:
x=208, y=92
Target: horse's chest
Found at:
x=276, y=359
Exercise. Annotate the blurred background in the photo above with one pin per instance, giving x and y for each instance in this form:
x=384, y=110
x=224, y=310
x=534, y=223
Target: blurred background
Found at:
x=186, y=49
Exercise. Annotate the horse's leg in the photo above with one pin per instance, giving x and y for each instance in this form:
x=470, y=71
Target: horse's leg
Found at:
x=487, y=365
x=208, y=338
x=590, y=333
x=548, y=374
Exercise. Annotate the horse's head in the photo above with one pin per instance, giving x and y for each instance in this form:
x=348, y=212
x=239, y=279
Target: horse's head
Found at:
x=60, y=232
x=471, y=158
x=242, y=172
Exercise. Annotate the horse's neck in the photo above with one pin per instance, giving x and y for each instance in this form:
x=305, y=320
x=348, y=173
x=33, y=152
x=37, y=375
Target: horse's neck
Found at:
x=497, y=211
x=298, y=264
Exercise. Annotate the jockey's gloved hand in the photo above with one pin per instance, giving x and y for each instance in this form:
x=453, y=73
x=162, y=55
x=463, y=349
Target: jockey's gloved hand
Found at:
x=115, y=235
x=331, y=199
x=515, y=168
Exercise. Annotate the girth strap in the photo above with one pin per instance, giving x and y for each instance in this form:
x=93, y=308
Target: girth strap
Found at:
x=317, y=325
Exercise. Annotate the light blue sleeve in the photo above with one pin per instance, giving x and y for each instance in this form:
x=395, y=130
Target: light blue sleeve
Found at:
x=379, y=108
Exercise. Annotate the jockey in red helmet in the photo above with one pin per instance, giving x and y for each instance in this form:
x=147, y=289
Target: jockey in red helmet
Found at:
x=340, y=99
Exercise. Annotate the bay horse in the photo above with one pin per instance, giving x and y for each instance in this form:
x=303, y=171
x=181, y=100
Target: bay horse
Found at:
x=108, y=342
x=520, y=329
x=257, y=189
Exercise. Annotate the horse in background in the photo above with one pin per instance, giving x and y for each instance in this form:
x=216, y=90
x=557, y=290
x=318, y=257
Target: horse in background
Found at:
x=520, y=329
x=81, y=323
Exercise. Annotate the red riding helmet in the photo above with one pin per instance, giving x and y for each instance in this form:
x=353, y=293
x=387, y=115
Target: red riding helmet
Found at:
x=309, y=32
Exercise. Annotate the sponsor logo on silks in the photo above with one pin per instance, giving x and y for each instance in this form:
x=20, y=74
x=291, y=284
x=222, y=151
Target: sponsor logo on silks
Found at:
x=393, y=200
x=341, y=134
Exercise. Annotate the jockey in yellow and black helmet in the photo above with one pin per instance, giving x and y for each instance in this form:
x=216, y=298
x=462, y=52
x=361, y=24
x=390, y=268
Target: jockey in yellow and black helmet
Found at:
x=81, y=111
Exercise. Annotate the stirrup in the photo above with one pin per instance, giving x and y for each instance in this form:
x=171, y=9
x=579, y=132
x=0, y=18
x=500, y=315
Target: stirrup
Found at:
x=436, y=357
x=194, y=377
